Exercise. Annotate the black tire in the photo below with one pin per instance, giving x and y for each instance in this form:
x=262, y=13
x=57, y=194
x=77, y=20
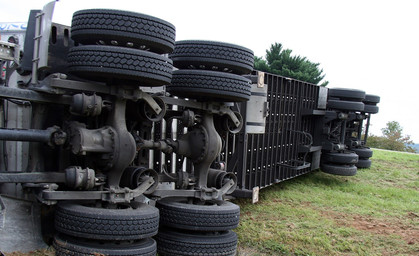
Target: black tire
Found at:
x=120, y=65
x=371, y=99
x=124, y=29
x=340, y=158
x=364, y=163
x=211, y=55
x=342, y=170
x=206, y=85
x=349, y=94
x=69, y=246
x=213, y=215
x=106, y=224
x=371, y=109
x=363, y=152
x=171, y=242
x=345, y=105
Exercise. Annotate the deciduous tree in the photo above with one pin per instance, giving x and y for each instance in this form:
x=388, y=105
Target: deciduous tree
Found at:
x=392, y=139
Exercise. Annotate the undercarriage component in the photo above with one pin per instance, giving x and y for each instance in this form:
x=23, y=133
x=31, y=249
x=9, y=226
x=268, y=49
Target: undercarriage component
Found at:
x=113, y=195
x=9, y=51
x=228, y=125
x=125, y=146
x=209, y=107
x=203, y=194
x=79, y=178
x=33, y=96
x=212, y=149
x=86, y=105
x=100, y=140
x=32, y=177
x=74, y=177
x=52, y=136
x=153, y=114
x=135, y=176
x=218, y=178
x=151, y=108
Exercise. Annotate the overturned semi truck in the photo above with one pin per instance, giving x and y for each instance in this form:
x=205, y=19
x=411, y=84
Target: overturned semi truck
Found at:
x=117, y=140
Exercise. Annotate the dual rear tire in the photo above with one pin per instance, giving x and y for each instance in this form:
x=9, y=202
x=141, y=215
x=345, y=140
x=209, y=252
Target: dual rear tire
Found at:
x=197, y=228
x=211, y=71
x=85, y=230
x=339, y=163
x=121, y=47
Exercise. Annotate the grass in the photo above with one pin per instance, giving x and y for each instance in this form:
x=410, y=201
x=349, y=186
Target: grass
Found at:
x=375, y=212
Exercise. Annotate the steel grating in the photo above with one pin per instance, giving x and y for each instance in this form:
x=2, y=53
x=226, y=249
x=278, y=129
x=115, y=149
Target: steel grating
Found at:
x=283, y=151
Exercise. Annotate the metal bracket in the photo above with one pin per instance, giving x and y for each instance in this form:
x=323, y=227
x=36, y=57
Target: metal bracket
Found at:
x=32, y=177
x=9, y=51
x=255, y=195
x=113, y=195
x=150, y=101
x=52, y=136
x=57, y=83
x=125, y=195
x=204, y=193
x=30, y=95
x=210, y=107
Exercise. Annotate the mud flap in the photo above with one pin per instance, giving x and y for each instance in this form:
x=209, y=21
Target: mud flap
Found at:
x=20, y=226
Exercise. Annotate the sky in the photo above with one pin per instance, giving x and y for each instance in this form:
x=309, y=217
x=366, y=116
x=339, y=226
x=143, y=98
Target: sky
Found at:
x=368, y=45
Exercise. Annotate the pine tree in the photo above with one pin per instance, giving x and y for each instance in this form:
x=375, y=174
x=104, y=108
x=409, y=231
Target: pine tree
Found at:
x=280, y=61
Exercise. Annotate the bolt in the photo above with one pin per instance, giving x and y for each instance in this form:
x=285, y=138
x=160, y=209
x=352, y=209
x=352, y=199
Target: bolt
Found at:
x=59, y=138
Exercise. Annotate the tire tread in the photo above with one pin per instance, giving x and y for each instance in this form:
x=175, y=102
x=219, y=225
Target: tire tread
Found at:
x=92, y=25
x=222, y=55
x=106, y=224
x=210, y=85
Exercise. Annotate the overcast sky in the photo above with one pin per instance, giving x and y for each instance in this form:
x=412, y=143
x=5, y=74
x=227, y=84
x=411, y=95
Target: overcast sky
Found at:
x=365, y=44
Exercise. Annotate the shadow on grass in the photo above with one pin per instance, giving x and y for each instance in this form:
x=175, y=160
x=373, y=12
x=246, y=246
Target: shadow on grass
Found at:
x=315, y=179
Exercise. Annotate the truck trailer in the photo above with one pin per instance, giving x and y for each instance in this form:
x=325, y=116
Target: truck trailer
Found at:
x=118, y=140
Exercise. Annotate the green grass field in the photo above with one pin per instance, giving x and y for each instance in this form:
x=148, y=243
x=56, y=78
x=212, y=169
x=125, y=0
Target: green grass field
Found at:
x=375, y=212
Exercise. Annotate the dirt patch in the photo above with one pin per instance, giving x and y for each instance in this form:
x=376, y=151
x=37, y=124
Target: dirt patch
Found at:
x=409, y=233
x=45, y=252
x=246, y=251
